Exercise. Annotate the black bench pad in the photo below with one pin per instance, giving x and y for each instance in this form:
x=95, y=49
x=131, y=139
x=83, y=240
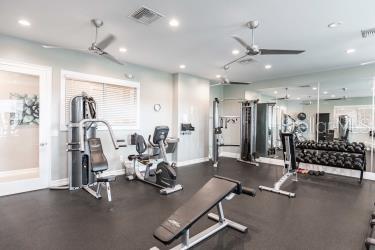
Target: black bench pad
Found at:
x=97, y=158
x=106, y=178
x=183, y=218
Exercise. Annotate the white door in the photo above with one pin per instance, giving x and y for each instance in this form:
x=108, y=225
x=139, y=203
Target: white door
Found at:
x=25, y=160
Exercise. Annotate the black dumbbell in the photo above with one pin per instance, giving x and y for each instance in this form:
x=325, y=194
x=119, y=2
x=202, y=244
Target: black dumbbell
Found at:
x=358, y=149
x=358, y=163
x=359, y=160
x=348, y=163
x=350, y=148
x=342, y=147
x=331, y=162
x=324, y=161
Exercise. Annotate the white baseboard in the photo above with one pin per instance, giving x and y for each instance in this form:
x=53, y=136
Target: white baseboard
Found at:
x=230, y=155
x=273, y=161
x=191, y=162
x=11, y=173
x=369, y=176
x=59, y=183
x=64, y=182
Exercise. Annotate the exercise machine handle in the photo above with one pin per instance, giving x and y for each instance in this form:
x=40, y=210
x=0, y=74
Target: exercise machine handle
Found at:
x=249, y=191
x=151, y=143
x=81, y=127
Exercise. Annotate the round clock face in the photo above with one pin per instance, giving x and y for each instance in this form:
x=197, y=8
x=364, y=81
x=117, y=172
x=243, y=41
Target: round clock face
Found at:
x=157, y=107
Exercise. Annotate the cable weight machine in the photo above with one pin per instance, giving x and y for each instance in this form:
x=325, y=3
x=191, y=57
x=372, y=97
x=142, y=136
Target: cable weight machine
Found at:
x=247, y=119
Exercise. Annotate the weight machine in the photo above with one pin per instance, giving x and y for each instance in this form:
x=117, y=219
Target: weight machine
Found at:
x=86, y=160
x=290, y=166
x=247, y=131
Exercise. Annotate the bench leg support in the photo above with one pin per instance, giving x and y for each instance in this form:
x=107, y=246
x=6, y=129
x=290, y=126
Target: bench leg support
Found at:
x=188, y=242
x=276, y=188
x=97, y=193
x=108, y=191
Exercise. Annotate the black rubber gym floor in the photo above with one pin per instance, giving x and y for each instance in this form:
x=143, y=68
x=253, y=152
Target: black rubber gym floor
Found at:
x=329, y=212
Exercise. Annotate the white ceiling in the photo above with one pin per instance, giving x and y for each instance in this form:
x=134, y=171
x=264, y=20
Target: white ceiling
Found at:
x=203, y=41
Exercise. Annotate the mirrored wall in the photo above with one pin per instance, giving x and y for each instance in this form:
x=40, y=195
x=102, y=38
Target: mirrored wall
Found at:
x=328, y=113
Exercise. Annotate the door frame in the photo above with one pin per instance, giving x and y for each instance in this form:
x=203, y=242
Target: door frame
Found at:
x=45, y=160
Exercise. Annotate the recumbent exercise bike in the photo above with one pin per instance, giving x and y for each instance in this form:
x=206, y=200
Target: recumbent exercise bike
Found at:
x=164, y=176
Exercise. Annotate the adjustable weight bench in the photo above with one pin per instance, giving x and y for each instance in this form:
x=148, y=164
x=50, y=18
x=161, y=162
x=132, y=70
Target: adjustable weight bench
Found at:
x=210, y=195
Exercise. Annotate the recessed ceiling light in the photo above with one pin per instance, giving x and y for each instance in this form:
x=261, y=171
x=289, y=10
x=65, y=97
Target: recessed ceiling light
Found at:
x=275, y=92
x=268, y=66
x=366, y=63
x=235, y=52
x=182, y=66
x=333, y=96
x=174, y=22
x=325, y=92
x=129, y=76
x=122, y=50
x=314, y=88
x=334, y=24
x=298, y=98
x=218, y=76
x=24, y=22
x=350, y=51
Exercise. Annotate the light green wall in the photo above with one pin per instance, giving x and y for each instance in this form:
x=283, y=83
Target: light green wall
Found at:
x=156, y=87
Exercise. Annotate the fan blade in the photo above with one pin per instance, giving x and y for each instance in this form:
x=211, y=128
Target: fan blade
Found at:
x=226, y=66
x=242, y=42
x=282, y=98
x=215, y=84
x=241, y=83
x=51, y=47
x=280, y=52
x=106, y=42
x=58, y=47
x=111, y=58
x=334, y=99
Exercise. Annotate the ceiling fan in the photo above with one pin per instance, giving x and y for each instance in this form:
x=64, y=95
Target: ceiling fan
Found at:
x=307, y=102
x=96, y=47
x=253, y=49
x=225, y=81
x=344, y=97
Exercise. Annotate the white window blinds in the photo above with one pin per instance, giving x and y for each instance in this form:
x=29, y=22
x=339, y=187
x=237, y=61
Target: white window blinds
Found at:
x=118, y=104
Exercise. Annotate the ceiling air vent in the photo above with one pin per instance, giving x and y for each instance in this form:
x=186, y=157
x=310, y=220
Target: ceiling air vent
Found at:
x=145, y=15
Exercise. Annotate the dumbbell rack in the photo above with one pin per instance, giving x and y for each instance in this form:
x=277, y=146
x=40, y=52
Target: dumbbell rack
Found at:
x=362, y=155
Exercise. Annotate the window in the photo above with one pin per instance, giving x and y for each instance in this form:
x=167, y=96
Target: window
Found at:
x=117, y=100
x=359, y=115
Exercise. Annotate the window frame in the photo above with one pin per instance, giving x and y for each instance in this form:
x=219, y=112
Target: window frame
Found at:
x=357, y=129
x=66, y=74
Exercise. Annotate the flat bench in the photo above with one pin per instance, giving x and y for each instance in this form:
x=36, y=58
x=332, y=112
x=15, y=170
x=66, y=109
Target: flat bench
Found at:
x=210, y=195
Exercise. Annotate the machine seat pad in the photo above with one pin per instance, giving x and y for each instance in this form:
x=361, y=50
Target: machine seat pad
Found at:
x=106, y=178
x=214, y=191
x=144, y=157
x=97, y=158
